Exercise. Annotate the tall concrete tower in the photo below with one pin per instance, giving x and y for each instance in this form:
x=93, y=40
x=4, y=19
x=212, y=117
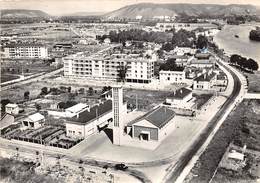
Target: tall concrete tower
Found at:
x=118, y=110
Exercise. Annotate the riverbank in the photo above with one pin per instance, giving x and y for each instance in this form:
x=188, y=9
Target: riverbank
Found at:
x=226, y=39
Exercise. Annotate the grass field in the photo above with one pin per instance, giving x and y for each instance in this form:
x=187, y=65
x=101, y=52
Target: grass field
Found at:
x=8, y=77
x=254, y=81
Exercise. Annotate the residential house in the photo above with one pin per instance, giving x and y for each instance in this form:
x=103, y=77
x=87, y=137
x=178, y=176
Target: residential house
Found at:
x=205, y=81
x=34, y=121
x=12, y=109
x=179, y=97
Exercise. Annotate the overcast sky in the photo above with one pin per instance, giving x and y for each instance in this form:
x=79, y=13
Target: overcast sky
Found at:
x=58, y=7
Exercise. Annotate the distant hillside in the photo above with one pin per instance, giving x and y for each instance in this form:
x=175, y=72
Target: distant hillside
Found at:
x=85, y=14
x=22, y=13
x=149, y=10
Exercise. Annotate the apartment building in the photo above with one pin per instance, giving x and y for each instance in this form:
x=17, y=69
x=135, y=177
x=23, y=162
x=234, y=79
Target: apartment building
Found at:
x=137, y=64
x=26, y=50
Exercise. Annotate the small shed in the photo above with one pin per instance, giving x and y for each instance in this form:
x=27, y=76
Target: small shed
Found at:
x=12, y=109
x=34, y=121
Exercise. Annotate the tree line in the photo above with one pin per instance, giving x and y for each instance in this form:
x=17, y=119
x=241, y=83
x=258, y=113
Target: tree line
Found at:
x=255, y=34
x=169, y=39
x=248, y=64
x=137, y=35
x=170, y=65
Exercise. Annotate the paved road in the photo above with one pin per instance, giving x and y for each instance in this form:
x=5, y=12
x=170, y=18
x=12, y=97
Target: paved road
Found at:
x=185, y=159
x=30, y=151
x=33, y=79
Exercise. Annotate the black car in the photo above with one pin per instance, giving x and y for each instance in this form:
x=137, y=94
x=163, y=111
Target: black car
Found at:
x=120, y=166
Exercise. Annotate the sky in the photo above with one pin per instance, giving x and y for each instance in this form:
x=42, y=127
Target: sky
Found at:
x=61, y=7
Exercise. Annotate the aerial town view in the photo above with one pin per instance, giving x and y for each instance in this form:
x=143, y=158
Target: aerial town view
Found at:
x=121, y=91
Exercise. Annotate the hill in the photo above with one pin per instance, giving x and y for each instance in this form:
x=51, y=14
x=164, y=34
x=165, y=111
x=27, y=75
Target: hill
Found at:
x=85, y=14
x=149, y=10
x=22, y=13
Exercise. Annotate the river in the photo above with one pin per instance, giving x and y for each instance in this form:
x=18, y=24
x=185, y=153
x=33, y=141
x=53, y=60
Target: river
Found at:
x=243, y=46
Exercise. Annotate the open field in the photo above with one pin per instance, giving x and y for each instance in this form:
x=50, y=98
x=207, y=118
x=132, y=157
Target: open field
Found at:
x=27, y=67
x=47, y=31
x=242, y=126
x=145, y=99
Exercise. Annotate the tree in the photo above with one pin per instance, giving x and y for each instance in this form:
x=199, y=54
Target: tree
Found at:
x=252, y=64
x=255, y=35
x=38, y=107
x=202, y=42
x=69, y=89
x=167, y=47
x=54, y=91
x=170, y=65
x=183, y=38
x=90, y=91
x=4, y=102
x=44, y=91
x=81, y=91
x=17, y=152
x=26, y=95
x=122, y=70
x=62, y=105
x=37, y=155
x=104, y=89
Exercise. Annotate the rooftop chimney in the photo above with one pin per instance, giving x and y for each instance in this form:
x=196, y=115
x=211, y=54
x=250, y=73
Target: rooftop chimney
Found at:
x=205, y=75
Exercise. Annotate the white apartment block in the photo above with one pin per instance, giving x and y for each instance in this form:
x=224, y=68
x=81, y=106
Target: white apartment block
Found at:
x=28, y=51
x=168, y=77
x=106, y=65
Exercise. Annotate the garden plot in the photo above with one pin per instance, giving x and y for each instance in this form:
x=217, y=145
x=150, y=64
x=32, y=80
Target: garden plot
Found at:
x=47, y=135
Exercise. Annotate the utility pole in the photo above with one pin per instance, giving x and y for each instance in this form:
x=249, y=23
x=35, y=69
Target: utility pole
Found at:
x=136, y=102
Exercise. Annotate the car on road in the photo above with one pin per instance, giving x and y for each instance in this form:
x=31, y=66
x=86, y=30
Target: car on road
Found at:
x=121, y=166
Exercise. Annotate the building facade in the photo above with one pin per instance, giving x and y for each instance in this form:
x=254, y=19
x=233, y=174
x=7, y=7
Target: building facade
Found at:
x=202, y=60
x=34, y=121
x=179, y=97
x=107, y=65
x=177, y=77
x=12, y=109
x=26, y=51
x=205, y=81
x=153, y=126
x=89, y=121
